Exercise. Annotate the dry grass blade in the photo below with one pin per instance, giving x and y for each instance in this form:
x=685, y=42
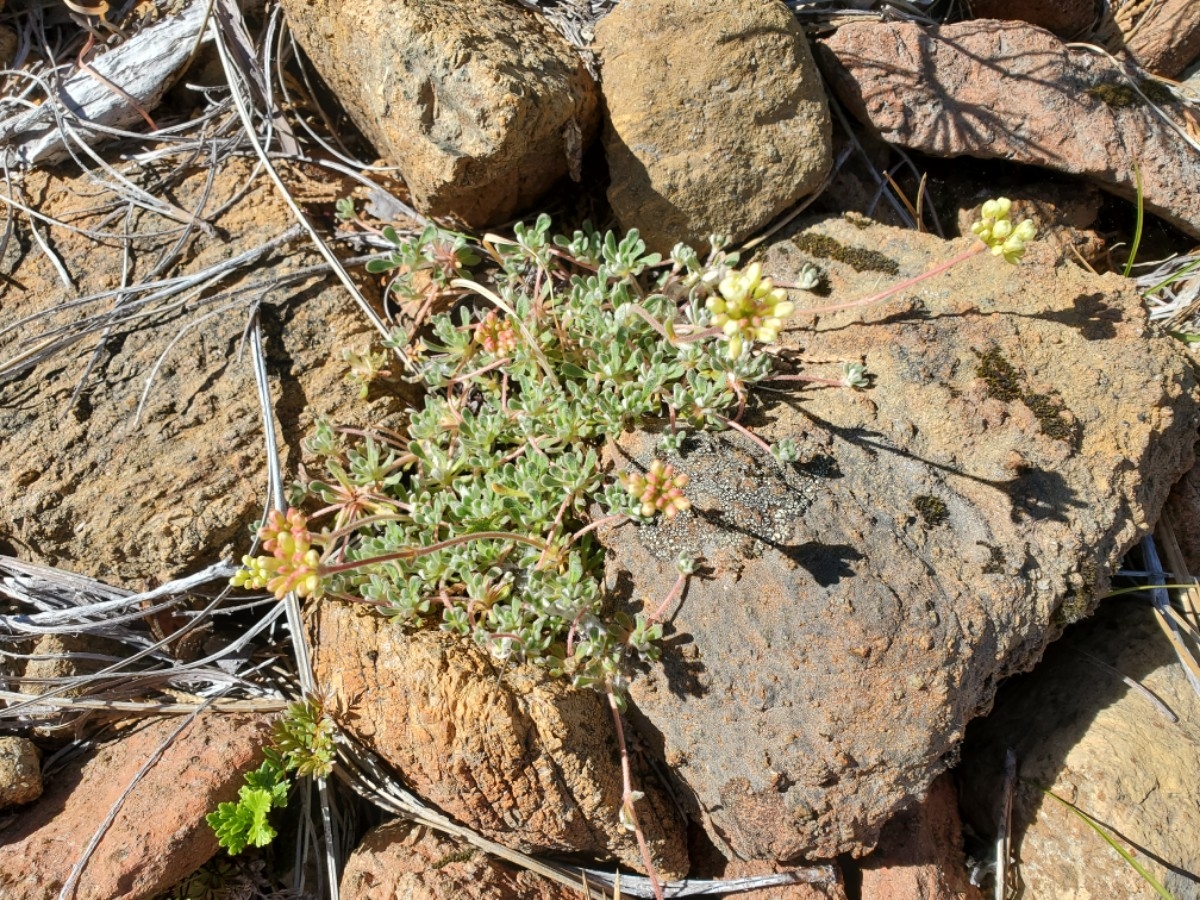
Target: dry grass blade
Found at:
x=237, y=78
x=146, y=707
x=1189, y=597
x=1004, y=877
x=153, y=298
x=148, y=680
x=141, y=68
x=1152, y=698
x=637, y=886
x=1172, y=624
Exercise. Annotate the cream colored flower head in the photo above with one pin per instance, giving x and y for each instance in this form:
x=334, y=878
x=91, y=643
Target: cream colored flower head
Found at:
x=748, y=308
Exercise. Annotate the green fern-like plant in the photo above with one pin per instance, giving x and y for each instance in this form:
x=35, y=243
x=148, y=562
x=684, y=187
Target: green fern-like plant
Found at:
x=301, y=745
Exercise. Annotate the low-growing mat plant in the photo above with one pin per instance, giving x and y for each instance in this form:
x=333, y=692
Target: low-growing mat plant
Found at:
x=481, y=516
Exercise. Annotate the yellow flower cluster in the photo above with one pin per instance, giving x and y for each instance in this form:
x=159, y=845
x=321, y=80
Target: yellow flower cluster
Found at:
x=997, y=231
x=748, y=307
x=294, y=565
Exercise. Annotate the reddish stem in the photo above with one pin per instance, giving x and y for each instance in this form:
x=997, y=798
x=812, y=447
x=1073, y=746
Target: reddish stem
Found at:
x=415, y=552
x=975, y=249
x=627, y=799
x=592, y=526
x=737, y=426
x=671, y=595
x=504, y=360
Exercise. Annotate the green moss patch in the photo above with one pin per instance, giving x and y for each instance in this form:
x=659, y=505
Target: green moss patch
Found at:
x=824, y=247
x=1004, y=383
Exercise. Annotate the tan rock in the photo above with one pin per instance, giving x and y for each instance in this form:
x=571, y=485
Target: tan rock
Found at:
x=482, y=105
x=402, y=860
x=97, y=492
x=1079, y=731
x=521, y=757
x=1182, y=513
x=920, y=853
x=1011, y=91
x=159, y=834
x=716, y=118
x=1069, y=19
x=20, y=771
x=858, y=609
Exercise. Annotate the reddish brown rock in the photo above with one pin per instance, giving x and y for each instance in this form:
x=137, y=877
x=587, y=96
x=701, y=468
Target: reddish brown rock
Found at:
x=718, y=142
x=739, y=868
x=519, y=756
x=1066, y=18
x=1164, y=37
x=403, y=860
x=858, y=609
x=159, y=834
x=920, y=854
x=481, y=105
x=1011, y=91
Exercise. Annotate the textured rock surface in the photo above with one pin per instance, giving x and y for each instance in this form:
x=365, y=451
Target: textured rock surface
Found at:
x=401, y=860
x=1012, y=91
x=1080, y=732
x=857, y=610
x=920, y=854
x=1163, y=37
x=715, y=141
x=524, y=759
x=159, y=834
x=482, y=106
x=1066, y=18
x=91, y=490
x=20, y=771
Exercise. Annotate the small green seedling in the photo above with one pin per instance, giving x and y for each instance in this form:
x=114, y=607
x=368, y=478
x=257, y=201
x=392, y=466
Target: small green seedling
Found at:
x=301, y=743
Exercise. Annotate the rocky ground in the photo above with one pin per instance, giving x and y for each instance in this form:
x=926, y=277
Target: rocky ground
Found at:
x=896, y=642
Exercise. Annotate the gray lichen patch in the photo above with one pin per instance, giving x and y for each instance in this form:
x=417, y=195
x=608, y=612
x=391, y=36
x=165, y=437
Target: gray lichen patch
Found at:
x=742, y=501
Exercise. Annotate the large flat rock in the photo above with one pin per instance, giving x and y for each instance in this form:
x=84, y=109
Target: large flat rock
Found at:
x=91, y=487
x=1008, y=90
x=856, y=610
